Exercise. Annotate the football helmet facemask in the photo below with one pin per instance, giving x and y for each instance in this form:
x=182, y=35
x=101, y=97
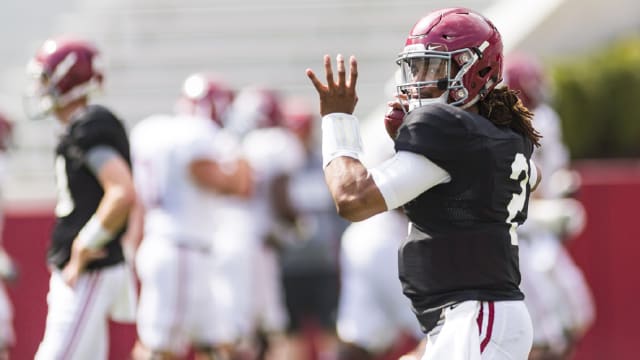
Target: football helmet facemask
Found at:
x=452, y=56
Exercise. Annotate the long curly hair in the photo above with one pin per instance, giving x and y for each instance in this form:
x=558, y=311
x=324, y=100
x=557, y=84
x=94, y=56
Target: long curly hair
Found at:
x=503, y=107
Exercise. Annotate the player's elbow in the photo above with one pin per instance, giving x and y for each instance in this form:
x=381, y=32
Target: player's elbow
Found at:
x=124, y=197
x=351, y=208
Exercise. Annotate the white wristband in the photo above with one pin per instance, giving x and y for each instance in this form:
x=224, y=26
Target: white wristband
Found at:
x=93, y=235
x=340, y=137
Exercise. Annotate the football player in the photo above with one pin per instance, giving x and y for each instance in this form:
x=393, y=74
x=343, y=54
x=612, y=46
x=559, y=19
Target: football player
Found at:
x=90, y=282
x=310, y=263
x=182, y=171
x=558, y=297
x=273, y=153
x=461, y=172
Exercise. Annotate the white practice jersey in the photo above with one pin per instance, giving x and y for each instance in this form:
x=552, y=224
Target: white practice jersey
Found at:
x=271, y=152
x=556, y=292
x=162, y=148
x=250, y=267
x=552, y=155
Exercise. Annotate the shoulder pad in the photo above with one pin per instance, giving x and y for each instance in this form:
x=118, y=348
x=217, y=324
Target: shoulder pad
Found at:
x=439, y=132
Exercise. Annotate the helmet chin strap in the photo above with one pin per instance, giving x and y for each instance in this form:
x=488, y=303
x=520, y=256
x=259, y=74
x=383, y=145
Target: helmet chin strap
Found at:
x=480, y=95
x=470, y=103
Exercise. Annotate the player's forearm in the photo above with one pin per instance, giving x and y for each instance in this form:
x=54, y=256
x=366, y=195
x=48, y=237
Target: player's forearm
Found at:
x=225, y=178
x=109, y=218
x=353, y=190
x=115, y=206
x=114, y=175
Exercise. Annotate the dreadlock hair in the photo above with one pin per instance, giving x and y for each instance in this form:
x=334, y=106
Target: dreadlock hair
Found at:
x=503, y=107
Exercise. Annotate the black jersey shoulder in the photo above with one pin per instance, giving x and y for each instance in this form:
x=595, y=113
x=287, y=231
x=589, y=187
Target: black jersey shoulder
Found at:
x=97, y=126
x=440, y=115
x=443, y=132
x=440, y=132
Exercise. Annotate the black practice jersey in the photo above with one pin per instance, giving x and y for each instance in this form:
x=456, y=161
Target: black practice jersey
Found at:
x=462, y=244
x=79, y=191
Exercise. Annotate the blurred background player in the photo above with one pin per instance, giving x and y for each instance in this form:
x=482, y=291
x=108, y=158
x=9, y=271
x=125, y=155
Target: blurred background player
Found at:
x=90, y=282
x=374, y=316
x=310, y=261
x=557, y=294
x=183, y=165
x=375, y=320
x=273, y=153
x=210, y=95
x=8, y=271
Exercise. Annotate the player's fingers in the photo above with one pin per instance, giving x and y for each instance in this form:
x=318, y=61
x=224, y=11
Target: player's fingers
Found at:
x=329, y=71
x=320, y=88
x=353, y=77
x=395, y=104
x=341, y=71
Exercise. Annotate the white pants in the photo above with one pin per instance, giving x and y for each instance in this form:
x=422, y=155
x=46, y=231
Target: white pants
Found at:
x=269, y=304
x=557, y=294
x=474, y=330
x=372, y=310
x=6, y=319
x=235, y=251
x=179, y=305
x=77, y=318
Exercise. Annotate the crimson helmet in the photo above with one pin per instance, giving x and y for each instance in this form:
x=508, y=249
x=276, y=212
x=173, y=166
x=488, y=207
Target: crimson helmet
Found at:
x=64, y=69
x=299, y=117
x=207, y=95
x=255, y=107
x=524, y=74
x=454, y=50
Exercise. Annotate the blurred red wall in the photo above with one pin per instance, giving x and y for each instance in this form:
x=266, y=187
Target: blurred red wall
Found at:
x=25, y=237
x=607, y=251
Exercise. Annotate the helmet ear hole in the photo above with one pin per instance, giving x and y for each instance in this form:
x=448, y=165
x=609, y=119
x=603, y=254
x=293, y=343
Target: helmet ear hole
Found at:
x=484, y=71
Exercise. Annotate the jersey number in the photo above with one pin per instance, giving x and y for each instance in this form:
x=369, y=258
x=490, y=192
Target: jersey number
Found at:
x=518, y=167
x=64, y=205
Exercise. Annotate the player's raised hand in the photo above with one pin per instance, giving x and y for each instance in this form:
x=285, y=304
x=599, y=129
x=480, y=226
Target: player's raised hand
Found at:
x=337, y=95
